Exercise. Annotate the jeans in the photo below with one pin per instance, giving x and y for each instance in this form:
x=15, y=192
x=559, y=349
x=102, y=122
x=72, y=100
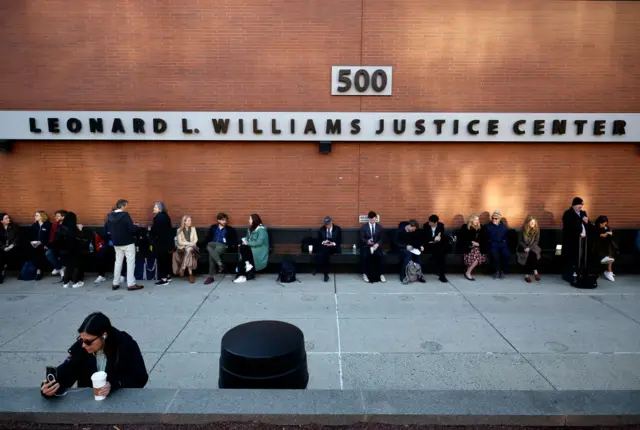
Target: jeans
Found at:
x=53, y=258
x=128, y=252
x=500, y=257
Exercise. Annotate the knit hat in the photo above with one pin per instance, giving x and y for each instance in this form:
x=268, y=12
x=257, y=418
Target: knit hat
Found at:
x=496, y=214
x=577, y=201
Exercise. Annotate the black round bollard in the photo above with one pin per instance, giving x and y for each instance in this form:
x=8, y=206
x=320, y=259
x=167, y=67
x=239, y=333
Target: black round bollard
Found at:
x=263, y=354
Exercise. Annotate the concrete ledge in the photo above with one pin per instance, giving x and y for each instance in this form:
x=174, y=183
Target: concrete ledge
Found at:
x=324, y=407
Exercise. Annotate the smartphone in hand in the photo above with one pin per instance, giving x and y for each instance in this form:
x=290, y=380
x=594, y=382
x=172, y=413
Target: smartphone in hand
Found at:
x=51, y=374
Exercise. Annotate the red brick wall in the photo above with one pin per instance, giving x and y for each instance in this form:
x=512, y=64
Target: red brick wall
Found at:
x=491, y=56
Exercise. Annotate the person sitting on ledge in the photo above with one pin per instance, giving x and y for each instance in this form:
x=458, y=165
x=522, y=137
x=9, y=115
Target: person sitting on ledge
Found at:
x=472, y=242
x=220, y=238
x=39, y=235
x=407, y=239
x=497, y=244
x=254, y=251
x=605, y=247
x=436, y=244
x=52, y=255
x=370, y=250
x=529, y=251
x=8, y=243
x=99, y=347
x=330, y=239
x=186, y=254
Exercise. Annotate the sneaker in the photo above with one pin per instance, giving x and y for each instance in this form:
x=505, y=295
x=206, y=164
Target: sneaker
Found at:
x=365, y=278
x=55, y=272
x=240, y=279
x=248, y=266
x=78, y=284
x=609, y=276
x=67, y=285
x=537, y=276
x=99, y=280
x=382, y=278
x=61, y=272
x=123, y=279
x=607, y=260
x=169, y=279
x=162, y=282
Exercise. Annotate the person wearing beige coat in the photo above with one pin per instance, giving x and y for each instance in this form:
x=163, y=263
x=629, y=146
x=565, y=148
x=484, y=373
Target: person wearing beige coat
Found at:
x=529, y=251
x=186, y=254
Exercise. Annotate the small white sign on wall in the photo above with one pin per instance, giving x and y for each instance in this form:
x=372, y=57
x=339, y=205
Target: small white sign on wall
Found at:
x=365, y=218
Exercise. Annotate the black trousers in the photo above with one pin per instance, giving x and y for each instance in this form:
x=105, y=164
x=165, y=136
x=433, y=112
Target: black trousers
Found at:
x=8, y=258
x=531, y=263
x=74, y=271
x=438, y=255
x=38, y=257
x=245, y=256
x=164, y=259
x=323, y=258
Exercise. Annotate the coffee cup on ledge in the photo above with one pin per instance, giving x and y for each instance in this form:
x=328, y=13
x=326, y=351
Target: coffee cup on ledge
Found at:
x=99, y=380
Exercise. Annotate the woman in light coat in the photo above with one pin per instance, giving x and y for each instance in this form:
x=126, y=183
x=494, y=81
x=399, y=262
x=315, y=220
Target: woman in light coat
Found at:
x=186, y=254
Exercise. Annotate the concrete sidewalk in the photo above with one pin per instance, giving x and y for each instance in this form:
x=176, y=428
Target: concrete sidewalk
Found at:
x=483, y=335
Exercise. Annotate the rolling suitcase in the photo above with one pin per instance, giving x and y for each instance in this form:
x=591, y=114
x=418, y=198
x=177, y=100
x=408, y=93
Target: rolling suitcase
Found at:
x=582, y=277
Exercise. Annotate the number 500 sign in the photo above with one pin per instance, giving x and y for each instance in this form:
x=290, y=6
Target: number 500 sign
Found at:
x=361, y=81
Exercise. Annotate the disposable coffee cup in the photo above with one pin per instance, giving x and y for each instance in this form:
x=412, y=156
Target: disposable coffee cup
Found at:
x=99, y=380
x=310, y=249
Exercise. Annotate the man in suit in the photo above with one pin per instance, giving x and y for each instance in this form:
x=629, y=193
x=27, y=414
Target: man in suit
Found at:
x=370, y=242
x=575, y=226
x=330, y=239
x=436, y=244
x=407, y=238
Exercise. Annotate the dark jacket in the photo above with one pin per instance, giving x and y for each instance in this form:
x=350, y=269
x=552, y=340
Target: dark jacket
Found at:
x=230, y=235
x=429, y=236
x=403, y=238
x=365, y=234
x=162, y=234
x=336, y=236
x=121, y=228
x=125, y=365
x=571, y=229
x=40, y=233
x=496, y=235
x=66, y=239
x=468, y=235
x=9, y=236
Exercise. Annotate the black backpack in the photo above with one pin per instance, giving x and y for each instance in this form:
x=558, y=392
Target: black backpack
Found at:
x=287, y=273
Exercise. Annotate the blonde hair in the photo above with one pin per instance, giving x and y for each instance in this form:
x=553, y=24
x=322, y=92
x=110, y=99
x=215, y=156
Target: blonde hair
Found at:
x=184, y=220
x=470, y=221
x=528, y=230
x=43, y=216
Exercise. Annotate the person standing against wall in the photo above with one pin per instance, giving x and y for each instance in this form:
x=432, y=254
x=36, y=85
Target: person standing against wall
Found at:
x=122, y=231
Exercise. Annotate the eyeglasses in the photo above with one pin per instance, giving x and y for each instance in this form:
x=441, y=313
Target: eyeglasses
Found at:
x=88, y=342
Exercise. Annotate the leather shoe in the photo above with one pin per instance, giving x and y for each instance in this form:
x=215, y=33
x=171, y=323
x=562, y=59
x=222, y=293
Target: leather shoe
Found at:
x=209, y=280
x=135, y=288
x=326, y=278
x=443, y=279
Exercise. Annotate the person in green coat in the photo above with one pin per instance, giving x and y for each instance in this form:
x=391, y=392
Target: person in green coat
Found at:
x=254, y=250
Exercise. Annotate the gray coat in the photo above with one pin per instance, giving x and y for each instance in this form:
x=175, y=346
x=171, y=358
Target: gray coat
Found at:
x=528, y=242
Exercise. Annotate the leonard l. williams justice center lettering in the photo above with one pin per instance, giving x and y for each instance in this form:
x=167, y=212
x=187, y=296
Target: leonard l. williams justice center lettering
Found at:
x=313, y=126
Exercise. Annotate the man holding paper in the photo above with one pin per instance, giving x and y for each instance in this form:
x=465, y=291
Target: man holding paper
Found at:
x=408, y=243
